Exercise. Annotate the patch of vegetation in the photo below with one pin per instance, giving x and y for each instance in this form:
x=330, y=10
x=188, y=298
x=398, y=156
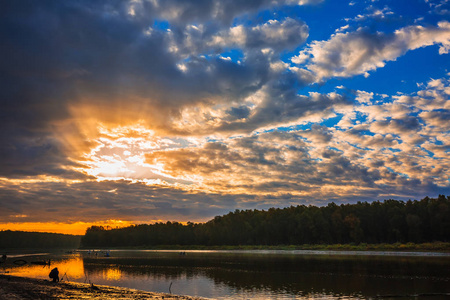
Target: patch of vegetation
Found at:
x=388, y=225
x=37, y=240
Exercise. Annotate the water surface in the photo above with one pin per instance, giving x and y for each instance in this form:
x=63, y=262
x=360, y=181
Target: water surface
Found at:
x=255, y=274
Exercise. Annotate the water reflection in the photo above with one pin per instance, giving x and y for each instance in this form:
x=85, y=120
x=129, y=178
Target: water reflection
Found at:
x=292, y=274
x=253, y=275
x=69, y=266
x=113, y=274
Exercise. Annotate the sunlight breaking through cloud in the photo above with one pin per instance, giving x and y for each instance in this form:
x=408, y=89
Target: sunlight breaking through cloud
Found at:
x=120, y=154
x=151, y=110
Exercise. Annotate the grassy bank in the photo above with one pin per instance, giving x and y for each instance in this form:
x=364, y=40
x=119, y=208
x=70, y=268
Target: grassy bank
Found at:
x=425, y=247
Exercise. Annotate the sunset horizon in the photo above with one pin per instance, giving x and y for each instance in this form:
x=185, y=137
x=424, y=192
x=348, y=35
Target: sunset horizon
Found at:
x=80, y=228
x=118, y=113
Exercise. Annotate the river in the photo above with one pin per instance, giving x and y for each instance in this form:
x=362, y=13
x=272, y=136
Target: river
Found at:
x=253, y=274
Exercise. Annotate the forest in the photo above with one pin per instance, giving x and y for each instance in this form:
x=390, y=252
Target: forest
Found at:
x=37, y=240
x=389, y=221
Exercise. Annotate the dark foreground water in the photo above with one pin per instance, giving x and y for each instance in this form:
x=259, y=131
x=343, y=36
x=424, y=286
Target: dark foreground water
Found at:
x=254, y=274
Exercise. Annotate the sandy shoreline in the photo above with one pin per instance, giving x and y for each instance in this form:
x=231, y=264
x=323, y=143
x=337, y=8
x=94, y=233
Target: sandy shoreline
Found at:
x=22, y=288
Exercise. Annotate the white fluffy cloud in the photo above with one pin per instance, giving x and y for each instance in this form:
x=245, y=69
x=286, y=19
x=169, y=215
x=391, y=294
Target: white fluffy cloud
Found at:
x=273, y=34
x=404, y=138
x=361, y=51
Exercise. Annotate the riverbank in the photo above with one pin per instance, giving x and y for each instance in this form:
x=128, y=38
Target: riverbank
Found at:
x=396, y=247
x=22, y=288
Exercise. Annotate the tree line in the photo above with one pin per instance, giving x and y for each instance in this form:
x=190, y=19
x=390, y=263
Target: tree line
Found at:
x=37, y=240
x=390, y=221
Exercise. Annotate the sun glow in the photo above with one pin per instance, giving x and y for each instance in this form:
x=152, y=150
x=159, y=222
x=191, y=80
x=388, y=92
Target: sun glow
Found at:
x=77, y=228
x=120, y=153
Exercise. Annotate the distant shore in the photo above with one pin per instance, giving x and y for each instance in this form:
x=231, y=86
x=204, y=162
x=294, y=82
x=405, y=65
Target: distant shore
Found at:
x=12, y=287
x=401, y=247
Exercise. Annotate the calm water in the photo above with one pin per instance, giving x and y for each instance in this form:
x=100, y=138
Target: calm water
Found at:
x=255, y=274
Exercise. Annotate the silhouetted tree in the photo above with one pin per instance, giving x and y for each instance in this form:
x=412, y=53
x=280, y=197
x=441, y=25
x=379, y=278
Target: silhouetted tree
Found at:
x=389, y=221
x=37, y=240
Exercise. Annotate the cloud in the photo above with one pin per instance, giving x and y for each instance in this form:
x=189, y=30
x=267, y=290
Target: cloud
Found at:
x=92, y=200
x=437, y=118
x=241, y=112
x=177, y=11
x=272, y=106
x=75, y=61
x=390, y=145
x=71, y=62
x=276, y=35
x=408, y=135
x=361, y=51
x=266, y=163
x=439, y=7
x=373, y=13
x=364, y=97
x=146, y=110
x=389, y=153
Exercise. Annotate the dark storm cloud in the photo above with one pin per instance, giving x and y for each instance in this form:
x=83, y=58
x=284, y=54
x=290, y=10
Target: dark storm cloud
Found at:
x=241, y=112
x=89, y=201
x=61, y=54
x=43, y=57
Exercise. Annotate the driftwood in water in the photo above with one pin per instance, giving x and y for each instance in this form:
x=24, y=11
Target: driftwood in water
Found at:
x=20, y=262
x=42, y=263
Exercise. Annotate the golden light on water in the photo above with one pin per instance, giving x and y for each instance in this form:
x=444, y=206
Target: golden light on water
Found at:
x=113, y=274
x=73, y=268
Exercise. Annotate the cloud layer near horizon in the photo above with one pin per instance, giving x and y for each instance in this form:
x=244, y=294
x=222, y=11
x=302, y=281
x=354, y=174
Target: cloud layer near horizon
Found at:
x=150, y=110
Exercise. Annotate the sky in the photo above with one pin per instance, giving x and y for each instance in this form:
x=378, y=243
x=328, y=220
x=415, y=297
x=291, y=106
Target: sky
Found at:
x=125, y=112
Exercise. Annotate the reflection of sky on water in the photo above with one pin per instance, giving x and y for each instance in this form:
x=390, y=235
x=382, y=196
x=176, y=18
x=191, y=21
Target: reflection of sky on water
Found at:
x=113, y=274
x=238, y=275
x=70, y=266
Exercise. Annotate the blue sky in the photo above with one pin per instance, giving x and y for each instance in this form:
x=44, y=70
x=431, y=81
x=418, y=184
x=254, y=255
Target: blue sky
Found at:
x=145, y=110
